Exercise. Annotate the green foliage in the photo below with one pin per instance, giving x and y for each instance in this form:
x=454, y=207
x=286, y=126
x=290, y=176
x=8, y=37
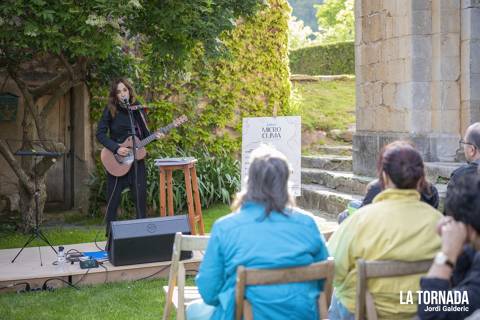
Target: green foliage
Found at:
x=73, y=28
x=336, y=20
x=93, y=28
x=329, y=59
x=253, y=80
x=299, y=35
x=304, y=10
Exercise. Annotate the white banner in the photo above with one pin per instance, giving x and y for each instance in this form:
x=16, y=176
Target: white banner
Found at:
x=282, y=133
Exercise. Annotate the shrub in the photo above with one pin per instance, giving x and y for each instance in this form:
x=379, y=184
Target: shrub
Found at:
x=218, y=179
x=327, y=59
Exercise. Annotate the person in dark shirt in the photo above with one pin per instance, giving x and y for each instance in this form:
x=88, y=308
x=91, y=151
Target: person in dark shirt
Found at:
x=456, y=267
x=428, y=192
x=113, y=128
x=470, y=145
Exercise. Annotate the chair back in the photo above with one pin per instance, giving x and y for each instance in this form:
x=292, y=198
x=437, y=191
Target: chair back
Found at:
x=365, y=305
x=176, y=276
x=315, y=271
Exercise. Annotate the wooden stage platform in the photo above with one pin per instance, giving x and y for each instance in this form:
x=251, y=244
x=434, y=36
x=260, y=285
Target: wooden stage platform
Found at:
x=34, y=265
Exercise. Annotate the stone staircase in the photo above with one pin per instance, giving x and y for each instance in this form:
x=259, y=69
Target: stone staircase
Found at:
x=328, y=183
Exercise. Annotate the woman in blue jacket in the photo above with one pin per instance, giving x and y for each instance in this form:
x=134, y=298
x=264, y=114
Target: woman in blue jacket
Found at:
x=265, y=232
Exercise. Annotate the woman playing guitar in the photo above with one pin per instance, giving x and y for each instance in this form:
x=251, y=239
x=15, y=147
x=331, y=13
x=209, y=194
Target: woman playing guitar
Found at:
x=115, y=121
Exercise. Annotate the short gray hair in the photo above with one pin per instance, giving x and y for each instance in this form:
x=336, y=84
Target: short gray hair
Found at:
x=267, y=181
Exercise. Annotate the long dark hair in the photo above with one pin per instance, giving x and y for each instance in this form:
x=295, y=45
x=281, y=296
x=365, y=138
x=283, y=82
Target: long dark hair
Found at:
x=404, y=166
x=112, y=96
x=267, y=181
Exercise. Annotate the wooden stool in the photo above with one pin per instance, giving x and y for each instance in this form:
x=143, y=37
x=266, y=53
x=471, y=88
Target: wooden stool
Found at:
x=166, y=167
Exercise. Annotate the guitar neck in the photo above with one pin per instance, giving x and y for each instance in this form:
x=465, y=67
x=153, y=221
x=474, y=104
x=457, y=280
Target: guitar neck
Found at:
x=152, y=137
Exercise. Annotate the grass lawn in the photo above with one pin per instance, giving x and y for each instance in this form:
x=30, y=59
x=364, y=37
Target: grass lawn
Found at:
x=80, y=229
x=117, y=301
x=326, y=105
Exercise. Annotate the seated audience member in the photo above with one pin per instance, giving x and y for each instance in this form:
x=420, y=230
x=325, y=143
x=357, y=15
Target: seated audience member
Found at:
x=428, y=192
x=456, y=267
x=396, y=226
x=264, y=232
x=470, y=144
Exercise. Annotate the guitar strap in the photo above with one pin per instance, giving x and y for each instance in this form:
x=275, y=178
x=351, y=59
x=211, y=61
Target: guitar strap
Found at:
x=144, y=120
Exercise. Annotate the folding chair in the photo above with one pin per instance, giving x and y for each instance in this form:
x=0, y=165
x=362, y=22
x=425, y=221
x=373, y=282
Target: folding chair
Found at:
x=176, y=292
x=315, y=271
x=365, y=305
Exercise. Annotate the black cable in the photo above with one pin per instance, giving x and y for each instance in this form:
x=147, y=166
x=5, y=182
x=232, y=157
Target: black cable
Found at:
x=44, y=286
x=106, y=272
x=162, y=269
x=81, y=279
x=96, y=244
x=72, y=250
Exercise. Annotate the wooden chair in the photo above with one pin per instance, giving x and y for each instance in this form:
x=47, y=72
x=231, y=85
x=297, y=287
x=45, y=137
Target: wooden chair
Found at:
x=176, y=292
x=365, y=304
x=315, y=271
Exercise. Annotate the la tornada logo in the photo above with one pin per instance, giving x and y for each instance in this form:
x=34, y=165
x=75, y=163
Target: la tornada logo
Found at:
x=437, y=300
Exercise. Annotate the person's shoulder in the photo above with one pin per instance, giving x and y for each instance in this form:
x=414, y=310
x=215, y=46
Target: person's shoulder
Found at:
x=464, y=169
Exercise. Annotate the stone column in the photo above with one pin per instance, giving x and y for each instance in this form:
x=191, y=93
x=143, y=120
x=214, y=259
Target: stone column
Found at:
x=470, y=62
x=407, y=73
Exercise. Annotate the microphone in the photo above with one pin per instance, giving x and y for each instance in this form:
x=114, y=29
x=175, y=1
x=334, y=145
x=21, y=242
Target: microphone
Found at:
x=125, y=102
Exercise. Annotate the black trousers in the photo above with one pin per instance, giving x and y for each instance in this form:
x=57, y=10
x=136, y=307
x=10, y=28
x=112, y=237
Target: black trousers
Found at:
x=115, y=186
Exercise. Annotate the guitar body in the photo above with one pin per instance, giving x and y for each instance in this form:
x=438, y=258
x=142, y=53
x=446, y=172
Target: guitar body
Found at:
x=117, y=165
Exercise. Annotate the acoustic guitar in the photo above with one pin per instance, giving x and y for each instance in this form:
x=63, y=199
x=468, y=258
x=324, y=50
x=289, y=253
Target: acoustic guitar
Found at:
x=118, y=165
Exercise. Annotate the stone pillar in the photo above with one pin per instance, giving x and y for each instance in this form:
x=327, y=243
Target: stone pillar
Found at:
x=407, y=72
x=82, y=146
x=470, y=62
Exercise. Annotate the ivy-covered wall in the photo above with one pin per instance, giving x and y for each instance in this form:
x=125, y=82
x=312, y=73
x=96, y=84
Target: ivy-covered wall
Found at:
x=252, y=81
x=215, y=94
x=328, y=59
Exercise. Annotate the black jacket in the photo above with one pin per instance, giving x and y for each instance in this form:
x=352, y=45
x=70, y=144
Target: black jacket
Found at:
x=459, y=173
x=465, y=277
x=118, y=128
x=431, y=198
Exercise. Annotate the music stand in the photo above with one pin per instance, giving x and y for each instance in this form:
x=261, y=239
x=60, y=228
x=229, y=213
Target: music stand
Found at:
x=36, y=232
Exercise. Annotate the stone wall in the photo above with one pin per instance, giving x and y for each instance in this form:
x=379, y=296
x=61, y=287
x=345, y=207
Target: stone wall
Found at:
x=414, y=61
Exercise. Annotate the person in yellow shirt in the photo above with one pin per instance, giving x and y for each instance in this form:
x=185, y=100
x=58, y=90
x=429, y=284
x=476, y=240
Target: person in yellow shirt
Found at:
x=396, y=226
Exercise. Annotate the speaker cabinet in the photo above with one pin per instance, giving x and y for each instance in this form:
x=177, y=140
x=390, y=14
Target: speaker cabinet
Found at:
x=145, y=240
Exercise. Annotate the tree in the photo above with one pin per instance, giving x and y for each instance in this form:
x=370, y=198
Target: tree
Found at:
x=79, y=37
x=304, y=10
x=336, y=20
x=299, y=35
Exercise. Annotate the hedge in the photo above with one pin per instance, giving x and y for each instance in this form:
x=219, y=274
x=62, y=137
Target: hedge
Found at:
x=327, y=59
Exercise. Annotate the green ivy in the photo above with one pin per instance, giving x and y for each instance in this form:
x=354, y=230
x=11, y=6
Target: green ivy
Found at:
x=215, y=94
x=328, y=59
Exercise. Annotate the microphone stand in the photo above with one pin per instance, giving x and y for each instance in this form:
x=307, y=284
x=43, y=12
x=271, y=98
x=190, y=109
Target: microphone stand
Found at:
x=134, y=146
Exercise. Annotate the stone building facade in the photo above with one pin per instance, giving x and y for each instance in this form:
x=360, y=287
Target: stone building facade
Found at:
x=418, y=76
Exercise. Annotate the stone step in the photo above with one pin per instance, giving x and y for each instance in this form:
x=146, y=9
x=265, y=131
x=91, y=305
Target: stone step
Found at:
x=330, y=202
x=327, y=200
x=338, y=180
x=336, y=150
x=328, y=162
x=440, y=171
